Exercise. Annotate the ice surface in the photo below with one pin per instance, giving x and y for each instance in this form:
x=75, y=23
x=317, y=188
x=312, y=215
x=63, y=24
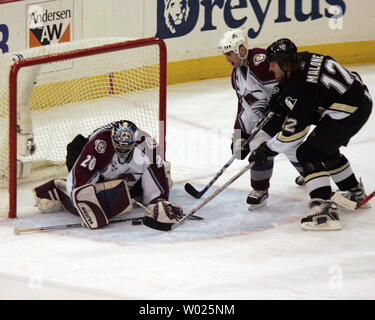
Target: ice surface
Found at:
x=232, y=254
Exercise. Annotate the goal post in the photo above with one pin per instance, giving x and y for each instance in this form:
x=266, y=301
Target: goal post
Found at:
x=80, y=87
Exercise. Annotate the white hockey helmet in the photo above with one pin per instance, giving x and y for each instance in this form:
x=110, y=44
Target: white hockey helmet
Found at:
x=232, y=40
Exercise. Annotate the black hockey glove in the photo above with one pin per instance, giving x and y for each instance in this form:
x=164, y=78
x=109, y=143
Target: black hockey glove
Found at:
x=239, y=150
x=262, y=155
x=275, y=104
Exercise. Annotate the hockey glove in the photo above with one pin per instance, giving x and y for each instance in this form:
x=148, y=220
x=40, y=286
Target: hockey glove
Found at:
x=162, y=215
x=262, y=155
x=239, y=150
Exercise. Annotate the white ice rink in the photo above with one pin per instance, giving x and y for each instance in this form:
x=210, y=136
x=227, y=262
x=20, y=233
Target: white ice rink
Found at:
x=231, y=254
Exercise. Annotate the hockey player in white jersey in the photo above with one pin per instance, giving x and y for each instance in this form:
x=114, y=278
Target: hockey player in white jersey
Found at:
x=117, y=163
x=253, y=83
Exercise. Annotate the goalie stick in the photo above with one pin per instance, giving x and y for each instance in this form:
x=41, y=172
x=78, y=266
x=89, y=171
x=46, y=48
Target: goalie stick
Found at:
x=17, y=231
x=213, y=195
x=198, y=194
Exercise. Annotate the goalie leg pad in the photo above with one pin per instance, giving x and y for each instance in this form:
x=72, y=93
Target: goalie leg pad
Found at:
x=88, y=206
x=114, y=197
x=47, y=197
x=51, y=196
x=162, y=215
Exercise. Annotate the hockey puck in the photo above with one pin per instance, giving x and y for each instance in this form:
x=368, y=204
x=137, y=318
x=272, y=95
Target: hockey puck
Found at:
x=136, y=222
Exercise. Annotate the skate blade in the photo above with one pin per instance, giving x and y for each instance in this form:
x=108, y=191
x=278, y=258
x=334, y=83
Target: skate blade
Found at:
x=256, y=206
x=328, y=226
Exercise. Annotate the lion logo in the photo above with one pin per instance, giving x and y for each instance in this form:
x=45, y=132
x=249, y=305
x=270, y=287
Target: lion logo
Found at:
x=175, y=12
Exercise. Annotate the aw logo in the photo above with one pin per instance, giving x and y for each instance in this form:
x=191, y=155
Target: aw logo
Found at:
x=48, y=25
x=176, y=17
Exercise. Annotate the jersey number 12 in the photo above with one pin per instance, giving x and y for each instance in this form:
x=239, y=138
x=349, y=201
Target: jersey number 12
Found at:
x=332, y=66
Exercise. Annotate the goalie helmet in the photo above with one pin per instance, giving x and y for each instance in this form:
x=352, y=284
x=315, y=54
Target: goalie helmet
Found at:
x=124, y=137
x=232, y=40
x=284, y=52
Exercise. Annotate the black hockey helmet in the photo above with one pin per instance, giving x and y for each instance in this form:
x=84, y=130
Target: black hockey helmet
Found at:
x=124, y=137
x=284, y=52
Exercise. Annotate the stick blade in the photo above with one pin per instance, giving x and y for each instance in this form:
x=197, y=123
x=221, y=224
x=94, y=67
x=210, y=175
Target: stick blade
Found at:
x=366, y=200
x=192, y=191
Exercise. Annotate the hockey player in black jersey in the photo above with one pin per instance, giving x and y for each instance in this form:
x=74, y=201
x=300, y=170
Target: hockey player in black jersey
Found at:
x=315, y=90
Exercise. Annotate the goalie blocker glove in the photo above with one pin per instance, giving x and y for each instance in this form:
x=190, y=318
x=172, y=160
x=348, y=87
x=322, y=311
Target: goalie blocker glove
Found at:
x=262, y=155
x=162, y=215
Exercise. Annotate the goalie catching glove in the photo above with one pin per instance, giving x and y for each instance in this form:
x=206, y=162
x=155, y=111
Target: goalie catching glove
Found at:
x=162, y=215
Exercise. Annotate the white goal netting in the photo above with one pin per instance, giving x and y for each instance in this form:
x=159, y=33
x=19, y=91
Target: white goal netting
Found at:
x=78, y=95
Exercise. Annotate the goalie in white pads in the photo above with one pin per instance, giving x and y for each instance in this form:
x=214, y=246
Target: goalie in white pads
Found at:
x=117, y=163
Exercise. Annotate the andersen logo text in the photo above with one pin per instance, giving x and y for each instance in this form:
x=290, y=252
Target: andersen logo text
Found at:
x=37, y=19
x=176, y=18
x=47, y=25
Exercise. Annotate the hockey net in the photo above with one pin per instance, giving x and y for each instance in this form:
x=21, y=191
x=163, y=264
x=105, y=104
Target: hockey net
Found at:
x=58, y=91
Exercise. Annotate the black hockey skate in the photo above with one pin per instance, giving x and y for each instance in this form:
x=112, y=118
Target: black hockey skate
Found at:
x=257, y=199
x=322, y=216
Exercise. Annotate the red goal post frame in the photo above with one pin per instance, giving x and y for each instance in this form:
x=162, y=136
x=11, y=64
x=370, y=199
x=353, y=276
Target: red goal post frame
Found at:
x=12, y=185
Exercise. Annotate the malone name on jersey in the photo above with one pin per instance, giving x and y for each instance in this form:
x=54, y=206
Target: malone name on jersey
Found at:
x=314, y=68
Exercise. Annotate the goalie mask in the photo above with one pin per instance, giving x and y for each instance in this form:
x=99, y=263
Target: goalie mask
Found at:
x=124, y=137
x=232, y=40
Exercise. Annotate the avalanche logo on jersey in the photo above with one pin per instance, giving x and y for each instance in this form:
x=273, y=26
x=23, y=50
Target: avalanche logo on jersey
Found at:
x=259, y=58
x=100, y=146
x=290, y=102
x=151, y=143
x=275, y=90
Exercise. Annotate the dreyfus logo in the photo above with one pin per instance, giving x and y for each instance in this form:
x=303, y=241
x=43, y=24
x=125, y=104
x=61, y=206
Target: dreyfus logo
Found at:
x=176, y=17
x=4, y=37
x=48, y=24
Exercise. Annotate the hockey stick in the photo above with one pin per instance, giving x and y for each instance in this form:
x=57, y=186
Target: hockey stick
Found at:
x=349, y=204
x=150, y=212
x=213, y=195
x=368, y=198
x=17, y=231
x=198, y=194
